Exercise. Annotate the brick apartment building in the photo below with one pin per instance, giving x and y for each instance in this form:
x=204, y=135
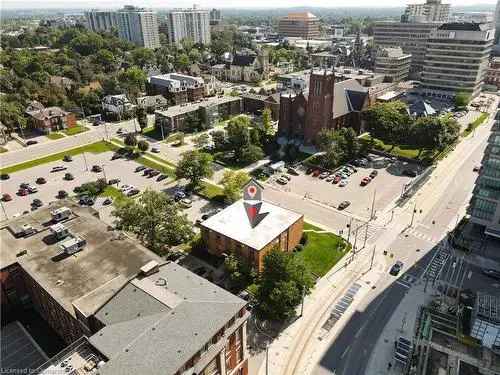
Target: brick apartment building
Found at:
x=493, y=73
x=230, y=231
x=178, y=88
x=327, y=104
x=132, y=314
x=49, y=119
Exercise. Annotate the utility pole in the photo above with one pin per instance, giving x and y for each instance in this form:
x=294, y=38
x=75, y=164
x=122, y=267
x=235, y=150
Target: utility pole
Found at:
x=373, y=204
x=104, y=173
x=373, y=256
x=366, y=235
x=413, y=214
x=349, y=233
x=302, y=305
x=85, y=160
x=392, y=216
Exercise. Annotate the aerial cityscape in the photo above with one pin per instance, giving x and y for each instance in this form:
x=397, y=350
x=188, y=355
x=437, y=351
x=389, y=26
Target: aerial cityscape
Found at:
x=250, y=189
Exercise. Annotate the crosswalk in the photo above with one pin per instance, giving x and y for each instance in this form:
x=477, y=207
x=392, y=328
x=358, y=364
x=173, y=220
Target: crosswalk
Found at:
x=416, y=233
x=437, y=264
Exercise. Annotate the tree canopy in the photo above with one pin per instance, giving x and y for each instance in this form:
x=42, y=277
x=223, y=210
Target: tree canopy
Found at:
x=155, y=220
x=194, y=166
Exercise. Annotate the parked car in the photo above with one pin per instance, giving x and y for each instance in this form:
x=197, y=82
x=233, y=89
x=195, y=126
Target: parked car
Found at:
x=476, y=168
x=343, y=205
x=36, y=203
x=86, y=200
x=154, y=173
x=116, y=155
x=132, y=192
x=140, y=168
x=4, y=176
x=282, y=181
x=179, y=194
x=32, y=189
x=365, y=181
x=324, y=175
x=161, y=177
x=62, y=194
x=343, y=182
x=125, y=188
x=119, y=131
x=396, y=268
x=6, y=197
x=186, y=203
x=156, y=150
x=96, y=168
x=286, y=177
x=107, y=201
x=200, y=271
x=24, y=185
x=292, y=171
x=309, y=170
x=352, y=168
x=330, y=178
x=58, y=168
x=373, y=174
x=114, y=181
x=494, y=274
x=316, y=173
x=336, y=179
x=67, y=158
x=69, y=177
x=147, y=171
x=409, y=173
x=41, y=181
x=30, y=143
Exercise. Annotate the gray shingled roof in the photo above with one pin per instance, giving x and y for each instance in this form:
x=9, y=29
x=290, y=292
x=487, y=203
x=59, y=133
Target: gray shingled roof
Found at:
x=159, y=340
x=349, y=96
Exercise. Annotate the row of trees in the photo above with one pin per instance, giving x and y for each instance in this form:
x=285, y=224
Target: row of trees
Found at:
x=339, y=146
x=391, y=123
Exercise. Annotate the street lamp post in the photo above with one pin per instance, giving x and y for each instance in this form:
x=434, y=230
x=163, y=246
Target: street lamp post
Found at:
x=413, y=214
x=349, y=233
x=373, y=204
x=104, y=173
x=373, y=256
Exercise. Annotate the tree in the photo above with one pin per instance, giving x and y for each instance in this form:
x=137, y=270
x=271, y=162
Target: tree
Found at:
x=133, y=80
x=267, y=123
x=143, y=145
x=389, y=122
x=179, y=138
x=283, y=282
x=202, y=141
x=241, y=274
x=232, y=182
x=251, y=153
x=194, y=166
x=155, y=220
x=219, y=139
x=462, y=99
x=142, y=117
x=238, y=135
x=130, y=140
x=183, y=62
x=143, y=57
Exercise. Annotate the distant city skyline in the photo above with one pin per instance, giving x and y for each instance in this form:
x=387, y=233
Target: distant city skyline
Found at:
x=34, y=4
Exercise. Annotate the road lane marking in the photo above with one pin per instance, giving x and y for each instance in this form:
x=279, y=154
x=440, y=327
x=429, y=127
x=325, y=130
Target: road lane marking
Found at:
x=345, y=352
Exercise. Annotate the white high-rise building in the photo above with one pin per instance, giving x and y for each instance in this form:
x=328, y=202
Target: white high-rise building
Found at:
x=191, y=24
x=139, y=26
x=101, y=20
x=456, y=59
x=430, y=11
x=496, y=19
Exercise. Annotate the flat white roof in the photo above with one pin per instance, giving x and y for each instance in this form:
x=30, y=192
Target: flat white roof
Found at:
x=233, y=222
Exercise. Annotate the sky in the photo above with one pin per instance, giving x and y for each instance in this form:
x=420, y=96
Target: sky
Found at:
x=43, y=4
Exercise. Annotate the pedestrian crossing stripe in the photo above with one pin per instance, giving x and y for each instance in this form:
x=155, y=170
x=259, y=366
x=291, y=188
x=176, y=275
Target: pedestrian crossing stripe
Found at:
x=420, y=235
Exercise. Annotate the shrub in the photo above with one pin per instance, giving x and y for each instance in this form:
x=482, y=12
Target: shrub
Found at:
x=304, y=239
x=298, y=248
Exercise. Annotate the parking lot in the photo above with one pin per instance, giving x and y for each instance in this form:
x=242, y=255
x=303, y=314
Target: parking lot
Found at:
x=80, y=168
x=385, y=188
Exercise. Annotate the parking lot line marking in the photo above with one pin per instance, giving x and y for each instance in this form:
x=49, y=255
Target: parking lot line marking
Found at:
x=403, y=284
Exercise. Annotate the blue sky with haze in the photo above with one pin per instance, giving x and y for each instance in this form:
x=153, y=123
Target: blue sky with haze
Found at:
x=40, y=4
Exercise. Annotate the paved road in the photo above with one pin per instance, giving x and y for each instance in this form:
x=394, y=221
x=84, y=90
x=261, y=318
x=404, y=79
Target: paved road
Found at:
x=93, y=135
x=442, y=200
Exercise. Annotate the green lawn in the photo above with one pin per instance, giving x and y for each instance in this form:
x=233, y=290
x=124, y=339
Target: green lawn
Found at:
x=474, y=124
x=161, y=160
x=55, y=135
x=96, y=148
x=75, y=130
x=152, y=164
x=210, y=191
x=112, y=192
x=322, y=251
x=404, y=151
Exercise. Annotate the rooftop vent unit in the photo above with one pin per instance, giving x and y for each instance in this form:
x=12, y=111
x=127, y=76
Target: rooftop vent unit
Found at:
x=150, y=268
x=60, y=214
x=73, y=245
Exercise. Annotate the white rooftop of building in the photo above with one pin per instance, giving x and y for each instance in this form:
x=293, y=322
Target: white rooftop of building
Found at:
x=233, y=222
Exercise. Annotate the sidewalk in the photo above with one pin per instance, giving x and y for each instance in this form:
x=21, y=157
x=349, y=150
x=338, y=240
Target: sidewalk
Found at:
x=401, y=323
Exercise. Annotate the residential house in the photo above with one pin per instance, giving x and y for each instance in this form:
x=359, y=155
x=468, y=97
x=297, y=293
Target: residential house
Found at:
x=48, y=119
x=179, y=88
x=117, y=105
x=152, y=103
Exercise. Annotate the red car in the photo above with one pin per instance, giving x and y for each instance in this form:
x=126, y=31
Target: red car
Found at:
x=6, y=197
x=365, y=181
x=22, y=192
x=336, y=180
x=316, y=173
